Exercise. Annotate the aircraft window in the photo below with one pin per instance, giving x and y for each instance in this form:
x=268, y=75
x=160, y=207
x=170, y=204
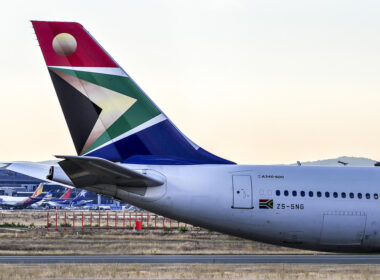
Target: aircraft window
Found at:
x=375, y=196
x=294, y=193
x=319, y=194
x=343, y=195
x=335, y=194
x=311, y=194
x=286, y=193
x=302, y=193
x=351, y=195
x=360, y=195
x=327, y=194
x=278, y=192
x=367, y=196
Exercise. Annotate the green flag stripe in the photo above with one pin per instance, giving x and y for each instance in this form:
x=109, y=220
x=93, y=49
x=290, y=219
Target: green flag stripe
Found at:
x=140, y=112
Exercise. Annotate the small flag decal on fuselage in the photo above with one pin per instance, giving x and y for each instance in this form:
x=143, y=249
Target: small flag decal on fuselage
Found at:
x=266, y=204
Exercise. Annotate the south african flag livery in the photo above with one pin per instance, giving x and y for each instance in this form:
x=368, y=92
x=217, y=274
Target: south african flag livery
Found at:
x=266, y=204
x=107, y=113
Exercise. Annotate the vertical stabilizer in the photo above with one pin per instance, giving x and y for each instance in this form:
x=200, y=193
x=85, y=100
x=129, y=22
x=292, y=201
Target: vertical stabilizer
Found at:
x=107, y=113
x=67, y=194
x=38, y=191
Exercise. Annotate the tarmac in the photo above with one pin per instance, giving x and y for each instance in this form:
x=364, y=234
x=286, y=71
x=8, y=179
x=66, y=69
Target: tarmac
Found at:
x=194, y=259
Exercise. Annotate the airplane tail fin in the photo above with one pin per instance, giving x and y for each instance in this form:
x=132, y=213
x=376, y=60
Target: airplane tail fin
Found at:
x=49, y=195
x=67, y=194
x=38, y=191
x=80, y=196
x=108, y=114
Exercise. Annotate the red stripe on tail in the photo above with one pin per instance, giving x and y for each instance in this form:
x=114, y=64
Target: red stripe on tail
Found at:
x=73, y=45
x=67, y=194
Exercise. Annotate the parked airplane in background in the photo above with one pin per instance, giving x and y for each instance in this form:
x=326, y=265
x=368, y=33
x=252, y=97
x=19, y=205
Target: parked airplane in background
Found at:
x=49, y=197
x=14, y=202
x=129, y=150
x=67, y=194
x=37, y=205
x=91, y=206
x=79, y=200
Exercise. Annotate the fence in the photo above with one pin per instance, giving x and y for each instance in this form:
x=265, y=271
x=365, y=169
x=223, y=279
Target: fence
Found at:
x=113, y=221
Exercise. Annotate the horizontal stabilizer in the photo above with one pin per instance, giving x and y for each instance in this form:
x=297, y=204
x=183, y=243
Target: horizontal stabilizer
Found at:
x=35, y=170
x=91, y=171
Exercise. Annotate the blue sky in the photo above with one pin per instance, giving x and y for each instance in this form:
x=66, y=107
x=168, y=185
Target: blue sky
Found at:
x=253, y=81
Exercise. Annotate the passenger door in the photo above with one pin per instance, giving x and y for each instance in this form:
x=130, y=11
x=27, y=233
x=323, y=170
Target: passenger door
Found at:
x=242, y=192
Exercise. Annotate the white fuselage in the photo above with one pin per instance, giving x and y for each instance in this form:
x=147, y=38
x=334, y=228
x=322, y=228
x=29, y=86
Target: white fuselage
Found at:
x=226, y=198
x=12, y=201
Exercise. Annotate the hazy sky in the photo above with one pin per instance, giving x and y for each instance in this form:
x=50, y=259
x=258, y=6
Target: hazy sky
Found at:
x=255, y=82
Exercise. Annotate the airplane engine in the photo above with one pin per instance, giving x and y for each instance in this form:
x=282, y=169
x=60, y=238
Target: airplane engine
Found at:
x=56, y=174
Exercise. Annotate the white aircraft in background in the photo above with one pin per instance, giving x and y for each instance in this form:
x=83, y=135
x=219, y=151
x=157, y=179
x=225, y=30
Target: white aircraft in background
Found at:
x=15, y=202
x=129, y=150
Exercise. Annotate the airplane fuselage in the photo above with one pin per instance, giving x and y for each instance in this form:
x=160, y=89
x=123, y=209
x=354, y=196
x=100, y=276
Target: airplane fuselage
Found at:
x=319, y=208
x=14, y=202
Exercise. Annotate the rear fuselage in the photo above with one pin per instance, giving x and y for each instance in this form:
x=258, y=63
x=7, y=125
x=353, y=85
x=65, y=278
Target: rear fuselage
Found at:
x=319, y=208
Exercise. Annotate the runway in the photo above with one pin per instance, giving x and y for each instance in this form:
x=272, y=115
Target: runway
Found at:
x=192, y=259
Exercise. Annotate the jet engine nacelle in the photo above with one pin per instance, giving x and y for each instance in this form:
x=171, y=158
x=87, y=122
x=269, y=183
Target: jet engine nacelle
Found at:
x=56, y=174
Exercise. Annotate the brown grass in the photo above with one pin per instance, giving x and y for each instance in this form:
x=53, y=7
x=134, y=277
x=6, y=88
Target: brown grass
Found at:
x=39, y=218
x=42, y=243
x=188, y=271
x=36, y=241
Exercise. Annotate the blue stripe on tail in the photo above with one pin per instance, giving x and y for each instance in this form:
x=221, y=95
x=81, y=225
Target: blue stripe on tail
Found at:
x=159, y=144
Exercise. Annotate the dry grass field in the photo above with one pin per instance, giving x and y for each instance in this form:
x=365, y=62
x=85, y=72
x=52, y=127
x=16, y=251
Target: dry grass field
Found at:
x=36, y=240
x=41, y=243
x=188, y=271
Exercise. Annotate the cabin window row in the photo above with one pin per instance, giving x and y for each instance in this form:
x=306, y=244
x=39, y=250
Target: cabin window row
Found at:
x=327, y=194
